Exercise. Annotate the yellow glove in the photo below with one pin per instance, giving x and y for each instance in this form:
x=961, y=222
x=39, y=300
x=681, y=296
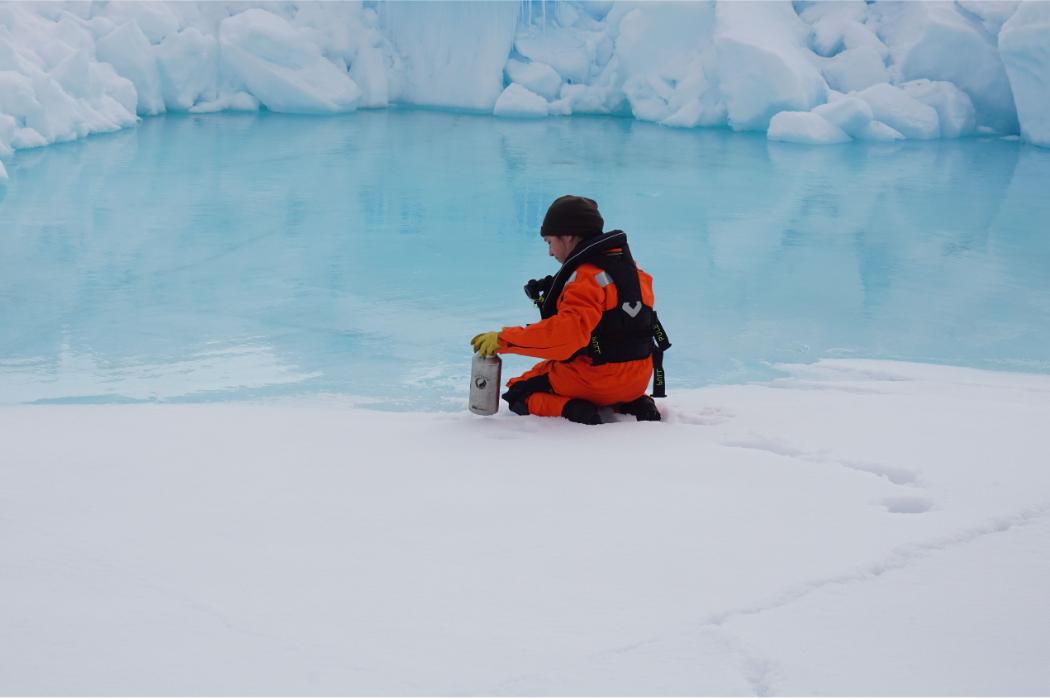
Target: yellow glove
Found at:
x=486, y=343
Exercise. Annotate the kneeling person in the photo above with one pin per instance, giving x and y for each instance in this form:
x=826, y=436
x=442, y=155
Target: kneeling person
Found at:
x=598, y=334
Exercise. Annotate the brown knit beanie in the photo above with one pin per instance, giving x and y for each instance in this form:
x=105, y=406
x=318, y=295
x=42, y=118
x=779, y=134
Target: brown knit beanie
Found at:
x=570, y=215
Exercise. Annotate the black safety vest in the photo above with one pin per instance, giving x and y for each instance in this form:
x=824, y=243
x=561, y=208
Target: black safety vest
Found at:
x=631, y=331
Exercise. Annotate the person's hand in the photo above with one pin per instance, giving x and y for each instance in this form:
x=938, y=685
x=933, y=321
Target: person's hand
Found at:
x=486, y=344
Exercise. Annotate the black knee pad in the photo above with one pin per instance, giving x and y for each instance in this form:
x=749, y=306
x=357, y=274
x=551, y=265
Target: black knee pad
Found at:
x=519, y=392
x=519, y=407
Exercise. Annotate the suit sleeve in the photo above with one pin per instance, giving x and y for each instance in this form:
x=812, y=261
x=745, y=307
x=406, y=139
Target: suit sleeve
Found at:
x=580, y=309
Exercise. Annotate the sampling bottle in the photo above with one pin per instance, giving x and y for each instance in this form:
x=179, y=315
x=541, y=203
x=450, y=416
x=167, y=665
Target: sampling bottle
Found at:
x=484, y=384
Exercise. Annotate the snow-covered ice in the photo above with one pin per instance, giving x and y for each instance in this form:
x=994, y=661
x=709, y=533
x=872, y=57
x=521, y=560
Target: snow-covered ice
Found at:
x=849, y=113
x=955, y=112
x=939, y=41
x=855, y=528
x=518, y=101
x=805, y=127
x=856, y=69
x=1025, y=47
x=537, y=77
x=763, y=63
x=897, y=109
x=281, y=67
x=449, y=54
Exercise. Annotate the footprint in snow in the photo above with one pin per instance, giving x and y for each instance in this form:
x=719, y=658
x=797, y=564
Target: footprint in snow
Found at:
x=907, y=504
x=901, y=476
x=706, y=416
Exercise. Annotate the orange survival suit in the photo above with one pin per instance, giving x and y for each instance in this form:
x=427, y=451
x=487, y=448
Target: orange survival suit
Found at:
x=599, y=336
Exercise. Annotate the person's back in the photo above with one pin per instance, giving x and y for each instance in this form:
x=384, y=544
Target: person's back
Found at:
x=597, y=327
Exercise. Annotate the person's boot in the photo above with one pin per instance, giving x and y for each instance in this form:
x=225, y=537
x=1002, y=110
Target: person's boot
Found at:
x=581, y=411
x=642, y=408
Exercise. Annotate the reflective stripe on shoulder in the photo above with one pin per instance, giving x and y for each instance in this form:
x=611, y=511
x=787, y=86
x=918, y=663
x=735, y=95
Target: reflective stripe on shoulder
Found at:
x=572, y=278
x=603, y=279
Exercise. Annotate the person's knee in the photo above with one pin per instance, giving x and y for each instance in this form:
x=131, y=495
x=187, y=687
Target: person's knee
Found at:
x=544, y=403
x=521, y=391
x=553, y=405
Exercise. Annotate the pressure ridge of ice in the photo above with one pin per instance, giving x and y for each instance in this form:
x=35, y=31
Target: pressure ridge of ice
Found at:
x=925, y=69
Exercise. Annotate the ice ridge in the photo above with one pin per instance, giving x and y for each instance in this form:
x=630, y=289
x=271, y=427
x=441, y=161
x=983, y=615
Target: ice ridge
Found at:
x=811, y=72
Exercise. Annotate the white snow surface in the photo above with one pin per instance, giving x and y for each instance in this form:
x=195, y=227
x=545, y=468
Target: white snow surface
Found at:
x=855, y=528
x=69, y=69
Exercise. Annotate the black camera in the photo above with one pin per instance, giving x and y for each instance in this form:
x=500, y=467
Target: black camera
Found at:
x=537, y=289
